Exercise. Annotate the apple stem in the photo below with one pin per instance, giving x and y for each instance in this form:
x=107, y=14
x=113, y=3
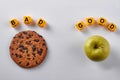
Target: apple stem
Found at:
x=96, y=46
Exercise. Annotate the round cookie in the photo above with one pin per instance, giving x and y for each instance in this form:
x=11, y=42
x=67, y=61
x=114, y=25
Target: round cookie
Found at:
x=28, y=49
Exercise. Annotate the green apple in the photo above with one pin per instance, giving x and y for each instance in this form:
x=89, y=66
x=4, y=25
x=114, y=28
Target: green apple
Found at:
x=97, y=48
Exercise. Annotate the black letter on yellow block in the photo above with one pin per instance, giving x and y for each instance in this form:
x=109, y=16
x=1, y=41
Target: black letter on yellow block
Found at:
x=41, y=21
x=80, y=25
x=89, y=20
x=26, y=19
x=111, y=26
x=13, y=22
x=102, y=20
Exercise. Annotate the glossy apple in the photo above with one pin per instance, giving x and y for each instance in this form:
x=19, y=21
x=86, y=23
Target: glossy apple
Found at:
x=97, y=48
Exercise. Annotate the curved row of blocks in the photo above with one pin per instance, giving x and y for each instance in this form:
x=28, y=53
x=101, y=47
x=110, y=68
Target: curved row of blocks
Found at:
x=100, y=21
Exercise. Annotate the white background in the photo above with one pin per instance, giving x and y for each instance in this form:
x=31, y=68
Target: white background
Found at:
x=66, y=59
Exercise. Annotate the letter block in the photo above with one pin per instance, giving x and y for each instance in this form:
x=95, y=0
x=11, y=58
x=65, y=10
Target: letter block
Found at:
x=102, y=21
x=27, y=20
x=90, y=21
x=80, y=25
x=41, y=23
x=14, y=23
x=112, y=27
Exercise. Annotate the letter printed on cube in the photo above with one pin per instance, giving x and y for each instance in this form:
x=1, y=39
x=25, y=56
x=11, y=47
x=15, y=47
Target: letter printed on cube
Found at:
x=41, y=23
x=112, y=27
x=14, y=23
x=102, y=21
x=80, y=25
x=90, y=21
x=27, y=20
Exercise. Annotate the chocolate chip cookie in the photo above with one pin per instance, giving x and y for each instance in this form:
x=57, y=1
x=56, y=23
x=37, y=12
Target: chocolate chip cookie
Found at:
x=28, y=49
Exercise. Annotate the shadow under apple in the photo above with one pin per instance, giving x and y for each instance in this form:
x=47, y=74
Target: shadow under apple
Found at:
x=112, y=62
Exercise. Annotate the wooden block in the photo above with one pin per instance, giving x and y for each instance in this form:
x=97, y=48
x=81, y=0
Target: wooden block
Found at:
x=90, y=21
x=28, y=20
x=14, y=23
x=41, y=23
x=80, y=25
x=102, y=21
x=111, y=27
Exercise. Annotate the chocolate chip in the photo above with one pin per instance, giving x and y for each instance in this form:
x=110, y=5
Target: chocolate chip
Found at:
x=25, y=48
x=28, y=55
x=36, y=62
x=33, y=58
x=11, y=48
x=13, y=42
x=16, y=48
x=36, y=40
x=12, y=54
x=29, y=36
x=28, y=42
x=33, y=54
x=28, y=58
x=21, y=50
x=20, y=56
x=40, y=51
x=21, y=42
x=21, y=46
x=34, y=48
x=19, y=62
x=43, y=44
x=27, y=64
x=16, y=55
x=20, y=36
x=24, y=32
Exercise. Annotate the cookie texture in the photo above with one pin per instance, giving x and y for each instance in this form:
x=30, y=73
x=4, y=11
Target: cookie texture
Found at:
x=28, y=49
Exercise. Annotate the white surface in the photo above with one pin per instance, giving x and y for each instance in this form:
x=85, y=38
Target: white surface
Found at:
x=66, y=59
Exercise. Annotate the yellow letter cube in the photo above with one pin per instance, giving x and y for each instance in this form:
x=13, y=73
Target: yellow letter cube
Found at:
x=80, y=25
x=102, y=21
x=112, y=27
x=27, y=20
x=41, y=23
x=90, y=21
x=14, y=23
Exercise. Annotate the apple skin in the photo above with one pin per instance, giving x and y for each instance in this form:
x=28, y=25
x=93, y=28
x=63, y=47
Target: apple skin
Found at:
x=97, y=48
